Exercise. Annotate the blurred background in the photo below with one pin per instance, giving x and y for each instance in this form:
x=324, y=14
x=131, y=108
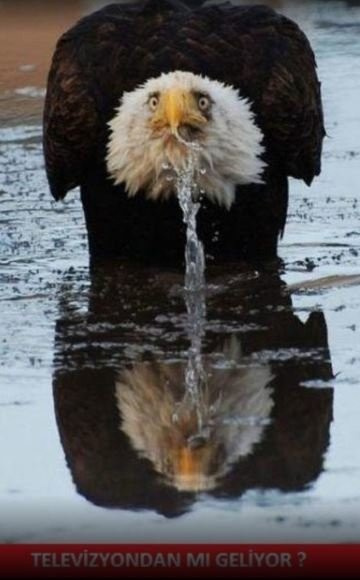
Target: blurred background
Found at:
x=29, y=30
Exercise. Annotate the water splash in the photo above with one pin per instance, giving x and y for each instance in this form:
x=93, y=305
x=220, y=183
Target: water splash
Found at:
x=194, y=250
x=195, y=376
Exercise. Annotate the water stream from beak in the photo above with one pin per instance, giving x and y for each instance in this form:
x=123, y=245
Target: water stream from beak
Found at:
x=195, y=285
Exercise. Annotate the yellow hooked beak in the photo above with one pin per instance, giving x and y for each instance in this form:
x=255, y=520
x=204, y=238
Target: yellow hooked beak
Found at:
x=188, y=465
x=177, y=108
x=191, y=469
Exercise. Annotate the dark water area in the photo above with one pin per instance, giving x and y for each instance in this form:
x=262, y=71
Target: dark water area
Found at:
x=94, y=425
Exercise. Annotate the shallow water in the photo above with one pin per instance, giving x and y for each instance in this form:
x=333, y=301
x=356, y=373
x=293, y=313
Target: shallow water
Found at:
x=83, y=457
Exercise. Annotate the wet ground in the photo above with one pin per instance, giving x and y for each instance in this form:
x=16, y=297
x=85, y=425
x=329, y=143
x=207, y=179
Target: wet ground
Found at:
x=92, y=363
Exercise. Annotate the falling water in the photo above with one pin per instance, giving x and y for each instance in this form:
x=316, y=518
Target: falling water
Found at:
x=195, y=376
x=194, y=251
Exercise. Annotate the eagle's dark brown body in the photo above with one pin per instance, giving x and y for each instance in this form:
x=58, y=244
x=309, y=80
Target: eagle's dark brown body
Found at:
x=261, y=53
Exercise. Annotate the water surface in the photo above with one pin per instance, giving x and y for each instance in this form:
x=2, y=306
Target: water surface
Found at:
x=92, y=363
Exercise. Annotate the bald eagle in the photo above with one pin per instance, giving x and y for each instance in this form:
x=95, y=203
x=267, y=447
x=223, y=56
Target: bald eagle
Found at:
x=131, y=84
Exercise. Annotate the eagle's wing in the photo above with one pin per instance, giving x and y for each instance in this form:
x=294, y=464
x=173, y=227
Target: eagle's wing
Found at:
x=263, y=54
x=269, y=59
x=70, y=122
x=85, y=81
x=286, y=94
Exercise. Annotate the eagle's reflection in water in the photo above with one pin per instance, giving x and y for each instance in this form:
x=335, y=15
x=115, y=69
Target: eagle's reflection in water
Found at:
x=162, y=420
x=130, y=432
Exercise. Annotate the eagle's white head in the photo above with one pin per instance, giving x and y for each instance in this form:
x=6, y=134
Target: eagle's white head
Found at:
x=154, y=124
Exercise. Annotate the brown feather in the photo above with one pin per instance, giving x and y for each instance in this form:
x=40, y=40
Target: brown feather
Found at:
x=263, y=54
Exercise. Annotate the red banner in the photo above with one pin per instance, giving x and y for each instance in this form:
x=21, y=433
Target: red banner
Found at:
x=180, y=561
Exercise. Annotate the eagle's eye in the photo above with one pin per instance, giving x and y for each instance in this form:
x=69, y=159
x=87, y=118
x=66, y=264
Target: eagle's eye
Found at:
x=153, y=102
x=204, y=102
